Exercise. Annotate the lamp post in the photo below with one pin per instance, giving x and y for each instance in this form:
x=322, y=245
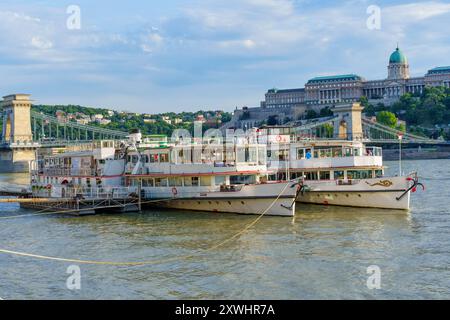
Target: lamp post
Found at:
x=400, y=138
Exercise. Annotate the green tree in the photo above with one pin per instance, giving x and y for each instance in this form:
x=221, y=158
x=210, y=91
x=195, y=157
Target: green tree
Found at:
x=311, y=114
x=387, y=118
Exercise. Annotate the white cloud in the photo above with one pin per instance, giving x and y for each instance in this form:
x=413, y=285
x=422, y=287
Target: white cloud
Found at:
x=259, y=43
x=413, y=12
x=41, y=43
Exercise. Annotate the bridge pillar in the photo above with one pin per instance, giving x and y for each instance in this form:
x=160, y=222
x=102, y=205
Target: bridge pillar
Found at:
x=348, y=122
x=17, y=149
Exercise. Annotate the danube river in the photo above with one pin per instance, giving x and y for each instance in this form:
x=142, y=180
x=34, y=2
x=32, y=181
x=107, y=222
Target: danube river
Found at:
x=322, y=253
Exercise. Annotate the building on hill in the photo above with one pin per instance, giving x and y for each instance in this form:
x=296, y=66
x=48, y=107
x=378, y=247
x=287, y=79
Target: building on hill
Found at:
x=327, y=91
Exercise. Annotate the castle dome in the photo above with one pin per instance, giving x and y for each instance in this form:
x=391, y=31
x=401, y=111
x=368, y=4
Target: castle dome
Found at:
x=398, y=57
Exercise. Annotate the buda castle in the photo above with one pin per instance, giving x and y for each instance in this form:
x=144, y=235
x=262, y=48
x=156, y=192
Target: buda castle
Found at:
x=322, y=92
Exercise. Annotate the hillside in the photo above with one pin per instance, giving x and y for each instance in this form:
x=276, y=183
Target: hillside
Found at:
x=426, y=114
x=164, y=123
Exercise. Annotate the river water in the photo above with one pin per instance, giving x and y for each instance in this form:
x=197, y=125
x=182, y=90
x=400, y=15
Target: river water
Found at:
x=321, y=253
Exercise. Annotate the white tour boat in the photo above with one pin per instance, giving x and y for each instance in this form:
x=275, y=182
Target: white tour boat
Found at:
x=336, y=172
x=215, y=177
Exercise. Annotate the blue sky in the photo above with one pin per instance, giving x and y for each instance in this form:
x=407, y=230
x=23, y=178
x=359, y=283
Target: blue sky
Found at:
x=173, y=55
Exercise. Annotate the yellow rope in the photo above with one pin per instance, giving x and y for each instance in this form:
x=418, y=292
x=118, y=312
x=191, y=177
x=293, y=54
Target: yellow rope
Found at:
x=144, y=263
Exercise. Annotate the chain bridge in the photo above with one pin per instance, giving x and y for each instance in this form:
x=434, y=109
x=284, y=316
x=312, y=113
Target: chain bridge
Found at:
x=25, y=131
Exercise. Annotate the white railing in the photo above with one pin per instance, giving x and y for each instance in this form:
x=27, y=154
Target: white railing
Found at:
x=67, y=172
x=338, y=152
x=84, y=192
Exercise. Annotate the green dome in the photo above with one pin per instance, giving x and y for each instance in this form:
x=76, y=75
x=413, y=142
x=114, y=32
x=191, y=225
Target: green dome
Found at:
x=398, y=57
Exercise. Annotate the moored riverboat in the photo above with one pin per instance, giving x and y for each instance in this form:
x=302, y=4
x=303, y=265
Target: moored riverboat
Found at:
x=214, y=177
x=337, y=172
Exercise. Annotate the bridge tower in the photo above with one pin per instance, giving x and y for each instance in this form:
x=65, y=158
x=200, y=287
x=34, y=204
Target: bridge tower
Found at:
x=17, y=149
x=348, y=122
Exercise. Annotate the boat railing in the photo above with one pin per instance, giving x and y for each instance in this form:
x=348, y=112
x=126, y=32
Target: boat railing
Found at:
x=97, y=193
x=338, y=152
x=69, y=172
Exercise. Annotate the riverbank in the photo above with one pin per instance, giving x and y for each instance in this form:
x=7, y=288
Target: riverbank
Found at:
x=416, y=154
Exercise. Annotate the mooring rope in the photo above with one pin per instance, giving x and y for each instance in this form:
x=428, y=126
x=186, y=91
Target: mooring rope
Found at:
x=145, y=263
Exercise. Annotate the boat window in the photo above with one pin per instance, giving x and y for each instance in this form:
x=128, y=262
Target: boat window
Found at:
x=378, y=173
x=311, y=175
x=359, y=174
x=148, y=182
x=205, y=181
x=188, y=182
x=261, y=155
x=176, y=182
x=245, y=179
x=324, y=175
x=240, y=154
x=252, y=154
x=300, y=153
x=296, y=175
x=337, y=152
x=153, y=158
x=348, y=152
x=220, y=180
x=164, y=157
x=195, y=181
x=338, y=175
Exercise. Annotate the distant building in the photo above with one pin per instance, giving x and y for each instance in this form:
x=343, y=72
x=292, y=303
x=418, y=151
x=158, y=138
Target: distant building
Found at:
x=97, y=117
x=167, y=120
x=149, y=120
x=103, y=121
x=327, y=91
x=83, y=121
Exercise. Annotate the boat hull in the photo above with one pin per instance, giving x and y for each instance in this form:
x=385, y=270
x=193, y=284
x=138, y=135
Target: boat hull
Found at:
x=272, y=199
x=268, y=206
x=384, y=193
x=381, y=200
